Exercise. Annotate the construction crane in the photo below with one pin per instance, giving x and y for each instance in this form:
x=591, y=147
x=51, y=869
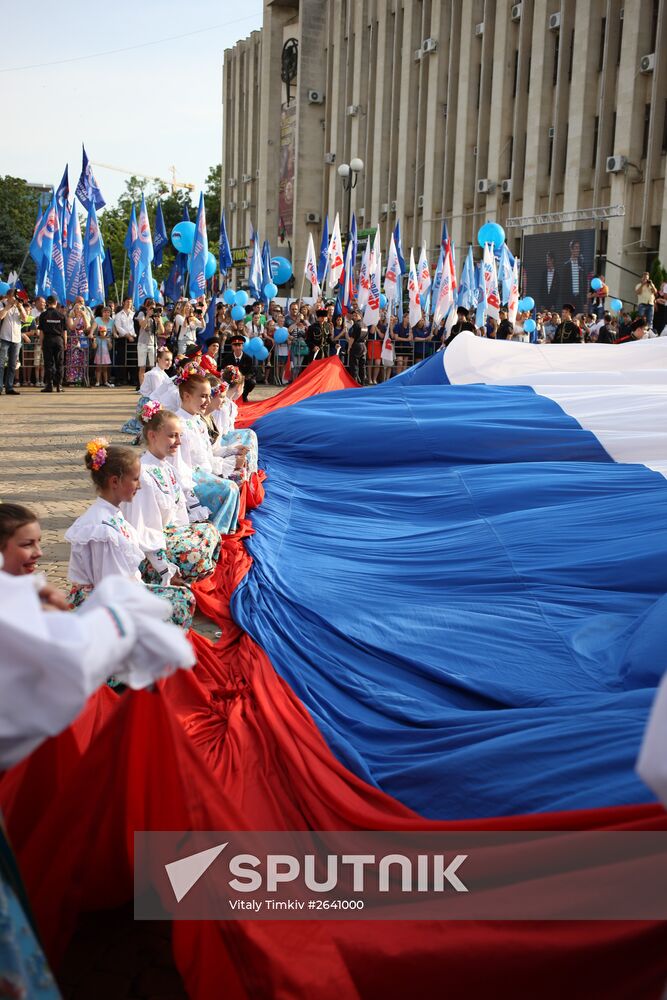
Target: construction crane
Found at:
x=173, y=183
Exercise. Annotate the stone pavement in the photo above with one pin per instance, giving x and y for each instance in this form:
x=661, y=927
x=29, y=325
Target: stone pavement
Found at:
x=42, y=442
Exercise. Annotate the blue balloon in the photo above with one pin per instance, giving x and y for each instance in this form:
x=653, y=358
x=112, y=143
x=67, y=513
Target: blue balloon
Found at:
x=616, y=305
x=383, y=301
x=4, y=287
x=491, y=232
x=247, y=349
x=281, y=269
x=529, y=326
x=238, y=314
x=241, y=298
x=211, y=266
x=270, y=290
x=528, y=303
x=280, y=336
x=254, y=346
x=229, y=296
x=263, y=353
x=183, y=237
x=596, y=284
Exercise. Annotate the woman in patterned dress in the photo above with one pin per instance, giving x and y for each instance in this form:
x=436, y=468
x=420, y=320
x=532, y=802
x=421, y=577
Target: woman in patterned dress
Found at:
x=159, y=512
x=224, y=418
x=76, y=353
x=104, y=543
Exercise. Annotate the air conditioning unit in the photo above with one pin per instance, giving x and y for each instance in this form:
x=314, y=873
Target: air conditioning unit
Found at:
x=313, y=218
x=384, y=208
x=361, y=212
x=429, y=45
x=232, y=182
x=552, y=132
x=615, y=164
x=245, y=205
x=554, y=22
x=418, y=55
x=621, y=13
x=352, y=110
x=394, y=206
x=232, y=206
x=647, y=63
x=484, y=185
x=474, y=150
x=246, y=178
x=315, y=97
x=329, y=157
x=479, y=29
x=515, y=13
x=420, y=201
x=506, y=186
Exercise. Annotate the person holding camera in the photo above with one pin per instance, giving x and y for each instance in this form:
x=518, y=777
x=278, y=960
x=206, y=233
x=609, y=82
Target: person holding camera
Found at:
x=646, y=294
x=149, y=326
x=12, y=314
x=192, y=320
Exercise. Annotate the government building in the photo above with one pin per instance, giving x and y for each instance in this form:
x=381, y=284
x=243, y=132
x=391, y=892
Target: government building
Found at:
x=546, y=116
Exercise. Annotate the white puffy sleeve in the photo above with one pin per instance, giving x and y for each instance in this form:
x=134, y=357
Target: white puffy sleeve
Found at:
x=98, y=550
x=148, y=512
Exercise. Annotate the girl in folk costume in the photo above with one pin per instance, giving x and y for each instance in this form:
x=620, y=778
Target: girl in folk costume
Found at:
x=104, y=543
x=225, y=417
x=153, y=380
x=197, y=468
x=159, y=511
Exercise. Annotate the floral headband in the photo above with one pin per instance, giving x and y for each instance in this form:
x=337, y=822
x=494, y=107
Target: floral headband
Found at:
x=97, y=449
x=148, y=411
x=186, y=371
x=231, y=375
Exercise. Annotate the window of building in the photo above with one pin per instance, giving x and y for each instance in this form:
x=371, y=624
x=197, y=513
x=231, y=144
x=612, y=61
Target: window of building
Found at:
x=596, y=136
x=603, y=38
x=620, y=42
x=664, y=131
x=647, y=128
x=565, y=146
x=556, y=53
x=510, y=154
x=551, y=155
x=479, y=85
x=654, y=23
x=516, y=71
x=613, y=134
x=569, y=69
x=530, y=61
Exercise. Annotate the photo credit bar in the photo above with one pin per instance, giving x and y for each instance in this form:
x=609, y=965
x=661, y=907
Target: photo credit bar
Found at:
x=364, y=875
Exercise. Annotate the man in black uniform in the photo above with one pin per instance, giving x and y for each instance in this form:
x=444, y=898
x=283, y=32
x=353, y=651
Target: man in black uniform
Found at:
x=462, y=323
x=53, y=334
x=244, y=364
x=315, y=337
x=567, y=332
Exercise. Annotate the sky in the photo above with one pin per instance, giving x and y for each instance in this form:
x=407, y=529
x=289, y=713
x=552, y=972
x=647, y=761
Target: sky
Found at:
x=142, y=109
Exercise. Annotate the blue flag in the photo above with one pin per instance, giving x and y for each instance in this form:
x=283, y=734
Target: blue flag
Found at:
x=186, y=213
x=480, y=296
x=437, y=278
x=324, y=252
x=225, y=252
x=56, y=273
x=267, y=273
x=505, y=265
x=93, y=256
x=175, y=283
x=87, y=190
x=160, y=238
x=199, y=253
x=209, y=330
x=143, y=255
x=108, y=275
x=76, y=279
x=255, y=262
x=466, y=296
x=131, y=244
x=399, y=247
x=62, y=191
x=354, y=238
x=42, y=232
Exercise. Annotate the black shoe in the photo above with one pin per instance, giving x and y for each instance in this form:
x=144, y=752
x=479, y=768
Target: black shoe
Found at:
x=59, y=388
x=13, y=392
x=48, y=388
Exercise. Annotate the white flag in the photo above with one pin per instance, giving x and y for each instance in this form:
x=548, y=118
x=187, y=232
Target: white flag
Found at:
x=310, y=269
x=423, y=273
x=491, y=283
x=513, y=301
x=364, y=276
x=372, y=311
x=413, y=292
x=444, y=305
x=335, y=255
x=392, y=274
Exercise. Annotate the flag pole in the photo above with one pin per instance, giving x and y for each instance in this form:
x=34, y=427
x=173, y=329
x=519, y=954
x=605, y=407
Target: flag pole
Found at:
x=122, y=284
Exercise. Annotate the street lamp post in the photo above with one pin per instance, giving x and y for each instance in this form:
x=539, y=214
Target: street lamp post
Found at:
x=349, y=174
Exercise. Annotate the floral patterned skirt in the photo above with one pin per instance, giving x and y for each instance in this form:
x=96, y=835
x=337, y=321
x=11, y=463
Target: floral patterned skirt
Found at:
x=134, y=425
x=24, y=971
x=182, y=600
x=248, y=439
x=194, y=548
x=221, y=496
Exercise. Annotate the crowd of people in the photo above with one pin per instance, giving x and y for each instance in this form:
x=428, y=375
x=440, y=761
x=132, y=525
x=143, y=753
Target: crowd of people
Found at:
x=51, y=346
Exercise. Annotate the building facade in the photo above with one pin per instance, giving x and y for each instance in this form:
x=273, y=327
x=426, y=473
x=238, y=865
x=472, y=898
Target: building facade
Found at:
x=462, y=110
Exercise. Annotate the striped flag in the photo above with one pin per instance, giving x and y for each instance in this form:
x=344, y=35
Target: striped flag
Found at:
x=413, y=292
x=310, y=269
x=335, y=255
x=392, y=274
x=491, y=283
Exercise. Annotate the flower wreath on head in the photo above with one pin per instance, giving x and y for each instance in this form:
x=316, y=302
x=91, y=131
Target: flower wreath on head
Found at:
x=231, y=375
x=148, y=410
x=97, y=449
x=187, y=371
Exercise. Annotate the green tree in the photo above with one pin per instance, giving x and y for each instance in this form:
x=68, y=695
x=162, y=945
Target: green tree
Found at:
x=212, y=198
x=18, y=211
x=658, y=273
